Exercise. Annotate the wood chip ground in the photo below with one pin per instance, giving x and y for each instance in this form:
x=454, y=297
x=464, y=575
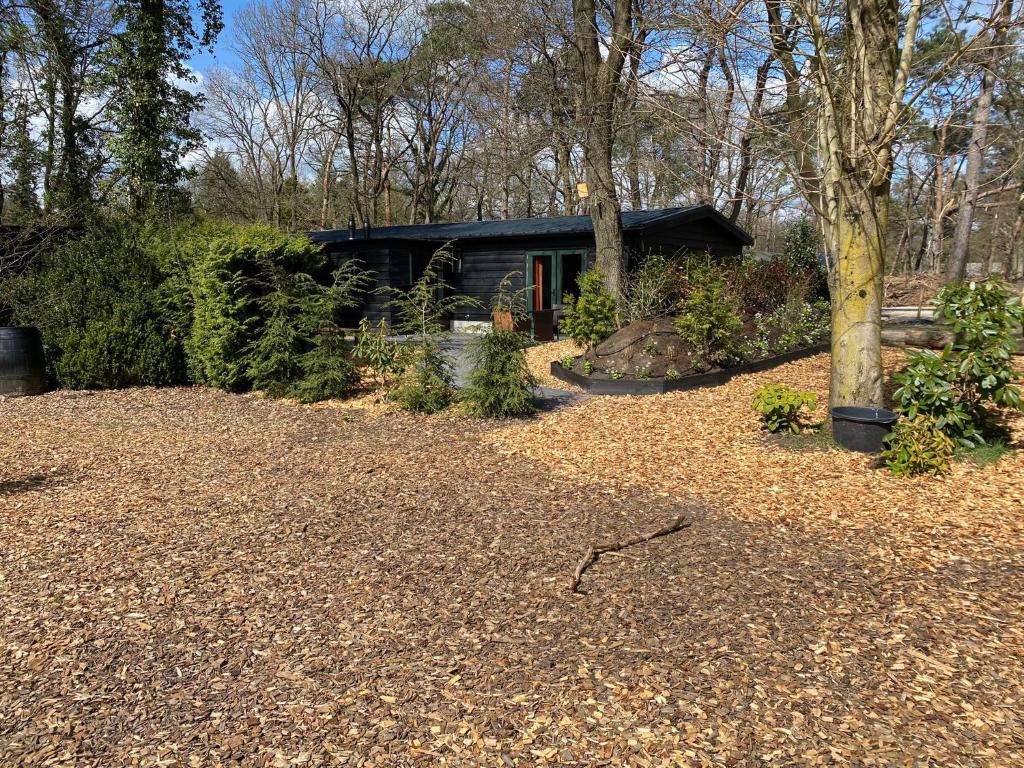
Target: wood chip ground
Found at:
x=193, y=578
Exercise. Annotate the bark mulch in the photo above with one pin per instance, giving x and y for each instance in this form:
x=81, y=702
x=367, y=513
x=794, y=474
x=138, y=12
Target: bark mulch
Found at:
x=195, y=578
x=540, y=357
x=871, y=620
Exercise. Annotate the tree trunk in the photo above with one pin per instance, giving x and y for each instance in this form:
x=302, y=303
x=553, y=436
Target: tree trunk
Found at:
x=957, y=264
x=856, y=283
x=746, y=152
x=568, y=190
x=600, y=87
x=636, y=201
x=849, y=190
x=1015, y=264
x=605, y=210
x=939, y=197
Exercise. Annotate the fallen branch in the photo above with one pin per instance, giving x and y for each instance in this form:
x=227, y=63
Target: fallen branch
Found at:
x=594, y=552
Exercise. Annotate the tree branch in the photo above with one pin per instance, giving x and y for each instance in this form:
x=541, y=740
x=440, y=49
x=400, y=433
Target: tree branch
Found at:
x=595, y=551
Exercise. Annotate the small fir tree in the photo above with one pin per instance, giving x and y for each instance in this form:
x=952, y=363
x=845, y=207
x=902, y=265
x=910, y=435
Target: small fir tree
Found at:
x=427, y=384
x=500, y=382
x=328, y=370
x=385, y=357
x=273, y=358
x=589, y=319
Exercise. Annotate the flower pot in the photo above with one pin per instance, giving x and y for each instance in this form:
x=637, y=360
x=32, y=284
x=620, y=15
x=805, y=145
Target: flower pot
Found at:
x=22, y=364
x=861, y=429
x=504, y=320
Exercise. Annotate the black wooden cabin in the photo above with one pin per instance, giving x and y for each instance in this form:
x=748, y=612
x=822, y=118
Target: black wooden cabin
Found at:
x=548, y=253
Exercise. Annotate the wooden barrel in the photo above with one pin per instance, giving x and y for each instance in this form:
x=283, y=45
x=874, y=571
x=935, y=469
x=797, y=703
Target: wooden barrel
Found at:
x=22, y=364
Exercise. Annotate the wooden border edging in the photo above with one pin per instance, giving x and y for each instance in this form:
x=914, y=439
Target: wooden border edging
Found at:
x=660, y=386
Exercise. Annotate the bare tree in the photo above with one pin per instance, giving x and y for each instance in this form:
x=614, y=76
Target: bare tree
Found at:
x=1002, y=12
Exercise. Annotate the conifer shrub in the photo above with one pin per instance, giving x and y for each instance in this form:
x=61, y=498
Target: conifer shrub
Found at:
x=232, y=287
x=800, y=248
x=328, y=370
x=272, y=359
x=129, y=348
x=709, y=319
x=384, y=356
x=96, y=297
x=589, y=319
x=500, y=382
x=427, y=381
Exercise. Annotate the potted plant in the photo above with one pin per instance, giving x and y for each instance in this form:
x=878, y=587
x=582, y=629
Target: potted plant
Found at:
x=508, y=310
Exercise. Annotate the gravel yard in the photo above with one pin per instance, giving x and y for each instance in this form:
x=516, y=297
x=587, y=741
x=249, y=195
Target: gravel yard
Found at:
x=200, y=579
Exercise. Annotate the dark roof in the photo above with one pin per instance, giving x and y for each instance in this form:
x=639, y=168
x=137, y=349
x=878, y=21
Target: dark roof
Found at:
x=632, y=221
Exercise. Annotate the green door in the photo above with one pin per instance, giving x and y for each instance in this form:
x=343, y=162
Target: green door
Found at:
x=552, y=274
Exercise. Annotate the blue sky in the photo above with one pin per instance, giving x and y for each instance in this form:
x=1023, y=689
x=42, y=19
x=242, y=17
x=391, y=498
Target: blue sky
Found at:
x=222, y=55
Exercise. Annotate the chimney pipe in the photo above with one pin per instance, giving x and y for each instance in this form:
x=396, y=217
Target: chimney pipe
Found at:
x=479, y=210
x=351, y=226
x=366, y=227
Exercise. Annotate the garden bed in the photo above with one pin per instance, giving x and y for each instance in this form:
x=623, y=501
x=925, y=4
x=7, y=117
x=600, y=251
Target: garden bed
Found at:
x=598, y=384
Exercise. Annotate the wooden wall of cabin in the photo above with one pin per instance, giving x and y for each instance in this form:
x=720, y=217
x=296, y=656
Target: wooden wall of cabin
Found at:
x=377, y=261
x=483, y=264
x=698, y=236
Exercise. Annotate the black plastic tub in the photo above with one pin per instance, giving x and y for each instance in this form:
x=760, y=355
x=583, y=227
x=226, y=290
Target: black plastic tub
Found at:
x=861, y=429
x=22, y=364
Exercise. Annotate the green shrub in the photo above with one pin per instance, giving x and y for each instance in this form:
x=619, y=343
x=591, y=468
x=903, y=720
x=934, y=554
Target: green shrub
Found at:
x=384, y=356
x=709, y=319
x=316, y=363
x=958, y=386
x=500, y=382
x=917, y=446
x=781, y=408
x=589, y=319
x=930, y=385
x=176, y=250
x=231, y=283
x=800, y=248
x=426, y=384
x=96, y=297
x=328, y=370
x=421, y=311
x=130, y=348
x=272, y=359
x=652, y=290
x=795, y=325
